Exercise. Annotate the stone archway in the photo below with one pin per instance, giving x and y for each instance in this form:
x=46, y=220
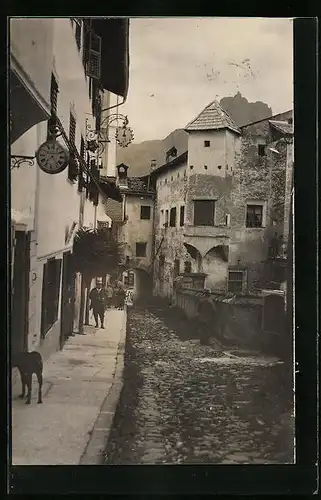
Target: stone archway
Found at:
x=140, y=282
x=195, y=255
x=215, y=265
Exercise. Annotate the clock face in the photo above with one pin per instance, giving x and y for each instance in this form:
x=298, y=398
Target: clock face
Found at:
x=52, y=157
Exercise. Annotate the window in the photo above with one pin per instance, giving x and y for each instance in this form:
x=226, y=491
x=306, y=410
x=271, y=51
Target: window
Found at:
x=204, y=212
x=50, y=294
x=171, y=177
x=205, y=167
x=227, y=219
x=145, y=212
x=182, y=216
x=172, y=217
x=166, y=180
x=191, y=167
x=207, y=144
x=176, y=267
x=53, y=105
x=187, y=266
x=166, y=218
x=261, y=149
x=235, y=281
x=177, y=175
x=141, y=249
x=131, y=278
x=254, y=215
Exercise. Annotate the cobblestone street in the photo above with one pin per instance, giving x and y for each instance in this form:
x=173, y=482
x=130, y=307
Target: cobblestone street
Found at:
x=187, y=403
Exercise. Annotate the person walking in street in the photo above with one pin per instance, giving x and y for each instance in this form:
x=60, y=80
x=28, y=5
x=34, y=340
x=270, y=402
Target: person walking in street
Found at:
x=110, y=294
x=120, y=295
x=98, y=301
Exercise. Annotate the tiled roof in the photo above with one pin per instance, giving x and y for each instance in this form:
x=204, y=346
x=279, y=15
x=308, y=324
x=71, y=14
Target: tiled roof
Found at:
x=138, y=185
x=213, y=117
x=281, y=126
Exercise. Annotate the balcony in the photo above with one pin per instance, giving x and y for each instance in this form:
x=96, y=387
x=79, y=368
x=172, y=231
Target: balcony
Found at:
x=204, y=238
x=218, y=231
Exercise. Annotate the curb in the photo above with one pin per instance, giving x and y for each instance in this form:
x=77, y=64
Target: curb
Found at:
x=95, y=447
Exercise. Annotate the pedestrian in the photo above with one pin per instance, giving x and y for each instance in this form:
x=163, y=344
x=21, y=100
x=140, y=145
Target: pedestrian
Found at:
x=120, y=295
x=98, y=300
x=110, y=294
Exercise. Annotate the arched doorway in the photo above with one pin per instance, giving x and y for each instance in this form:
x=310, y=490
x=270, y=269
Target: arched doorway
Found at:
x=139, y=281
x=215, y=265
x=196, y=257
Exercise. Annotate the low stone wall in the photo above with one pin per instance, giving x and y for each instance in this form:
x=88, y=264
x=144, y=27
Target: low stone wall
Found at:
x=236, y=320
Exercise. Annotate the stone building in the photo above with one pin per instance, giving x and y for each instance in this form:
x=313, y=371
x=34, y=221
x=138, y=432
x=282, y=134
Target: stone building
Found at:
x=58, y=77
x=133, y=222
x=223, y=205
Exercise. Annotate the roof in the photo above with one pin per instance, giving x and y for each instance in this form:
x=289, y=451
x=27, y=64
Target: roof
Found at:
x=110, y=189
x=266, y=118
x=138, y=185
x=174, y=163
x=213, y=117
x=282, y=126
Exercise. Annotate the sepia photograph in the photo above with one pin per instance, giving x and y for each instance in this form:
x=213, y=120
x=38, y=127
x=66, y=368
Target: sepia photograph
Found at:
x=152, y=249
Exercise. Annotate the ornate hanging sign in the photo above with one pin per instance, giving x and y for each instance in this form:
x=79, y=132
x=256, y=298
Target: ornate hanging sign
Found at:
x=124, y=136
x=52, y=157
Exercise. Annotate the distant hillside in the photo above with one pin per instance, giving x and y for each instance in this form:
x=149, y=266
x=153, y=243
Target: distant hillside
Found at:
x=138, y=156
x=243, y=112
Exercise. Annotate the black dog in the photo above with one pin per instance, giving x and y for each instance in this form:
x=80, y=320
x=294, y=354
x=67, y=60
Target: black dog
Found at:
x=27, y=364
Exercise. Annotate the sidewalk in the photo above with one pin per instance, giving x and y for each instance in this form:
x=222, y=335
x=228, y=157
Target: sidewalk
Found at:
x=81, y=388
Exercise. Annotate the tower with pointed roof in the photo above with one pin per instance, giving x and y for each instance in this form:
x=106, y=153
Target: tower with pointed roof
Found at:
x=211, y=142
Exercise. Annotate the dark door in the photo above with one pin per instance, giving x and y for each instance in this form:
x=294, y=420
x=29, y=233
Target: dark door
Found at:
x=67, y=298
x=20, y=293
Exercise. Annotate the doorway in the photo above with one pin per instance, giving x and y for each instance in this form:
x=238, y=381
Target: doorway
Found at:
x=20, y=293
x=67, y=298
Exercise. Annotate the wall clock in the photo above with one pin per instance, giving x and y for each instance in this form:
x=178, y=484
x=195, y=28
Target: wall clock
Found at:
x=52, y=157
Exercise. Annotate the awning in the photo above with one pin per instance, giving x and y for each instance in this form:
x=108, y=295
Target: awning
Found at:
x=25, y=111
x=114, y=35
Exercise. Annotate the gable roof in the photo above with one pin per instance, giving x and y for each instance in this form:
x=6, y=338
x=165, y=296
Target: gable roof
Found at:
x=213, y=117
x=173, y=163
x=282, y=126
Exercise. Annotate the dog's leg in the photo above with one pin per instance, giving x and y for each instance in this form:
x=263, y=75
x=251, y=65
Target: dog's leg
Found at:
x=29, y=386
x=39, y=377
x=23, y=385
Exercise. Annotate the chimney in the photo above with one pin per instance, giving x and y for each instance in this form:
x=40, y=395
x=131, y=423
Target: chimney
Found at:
x=152, y=165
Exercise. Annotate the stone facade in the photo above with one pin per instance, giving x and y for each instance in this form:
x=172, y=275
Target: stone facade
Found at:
x=237, y=170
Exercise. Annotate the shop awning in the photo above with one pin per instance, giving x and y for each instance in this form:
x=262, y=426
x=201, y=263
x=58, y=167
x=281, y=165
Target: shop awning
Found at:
x=114, y=35
x=25, y=111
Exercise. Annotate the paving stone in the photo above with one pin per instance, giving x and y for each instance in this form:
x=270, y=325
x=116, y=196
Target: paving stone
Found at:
x=176, y=409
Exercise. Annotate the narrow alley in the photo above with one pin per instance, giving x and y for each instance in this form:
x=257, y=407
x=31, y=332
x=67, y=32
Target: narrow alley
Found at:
x=186, y=403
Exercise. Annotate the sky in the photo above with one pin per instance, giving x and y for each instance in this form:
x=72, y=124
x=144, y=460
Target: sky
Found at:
x=179, y=65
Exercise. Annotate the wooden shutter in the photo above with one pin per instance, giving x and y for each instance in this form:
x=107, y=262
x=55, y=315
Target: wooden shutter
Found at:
x=57, y=287
x=94, y=56
x=44, y=301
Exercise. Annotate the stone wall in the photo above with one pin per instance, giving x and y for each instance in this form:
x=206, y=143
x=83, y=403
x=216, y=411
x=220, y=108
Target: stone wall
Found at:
x=237, y=320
